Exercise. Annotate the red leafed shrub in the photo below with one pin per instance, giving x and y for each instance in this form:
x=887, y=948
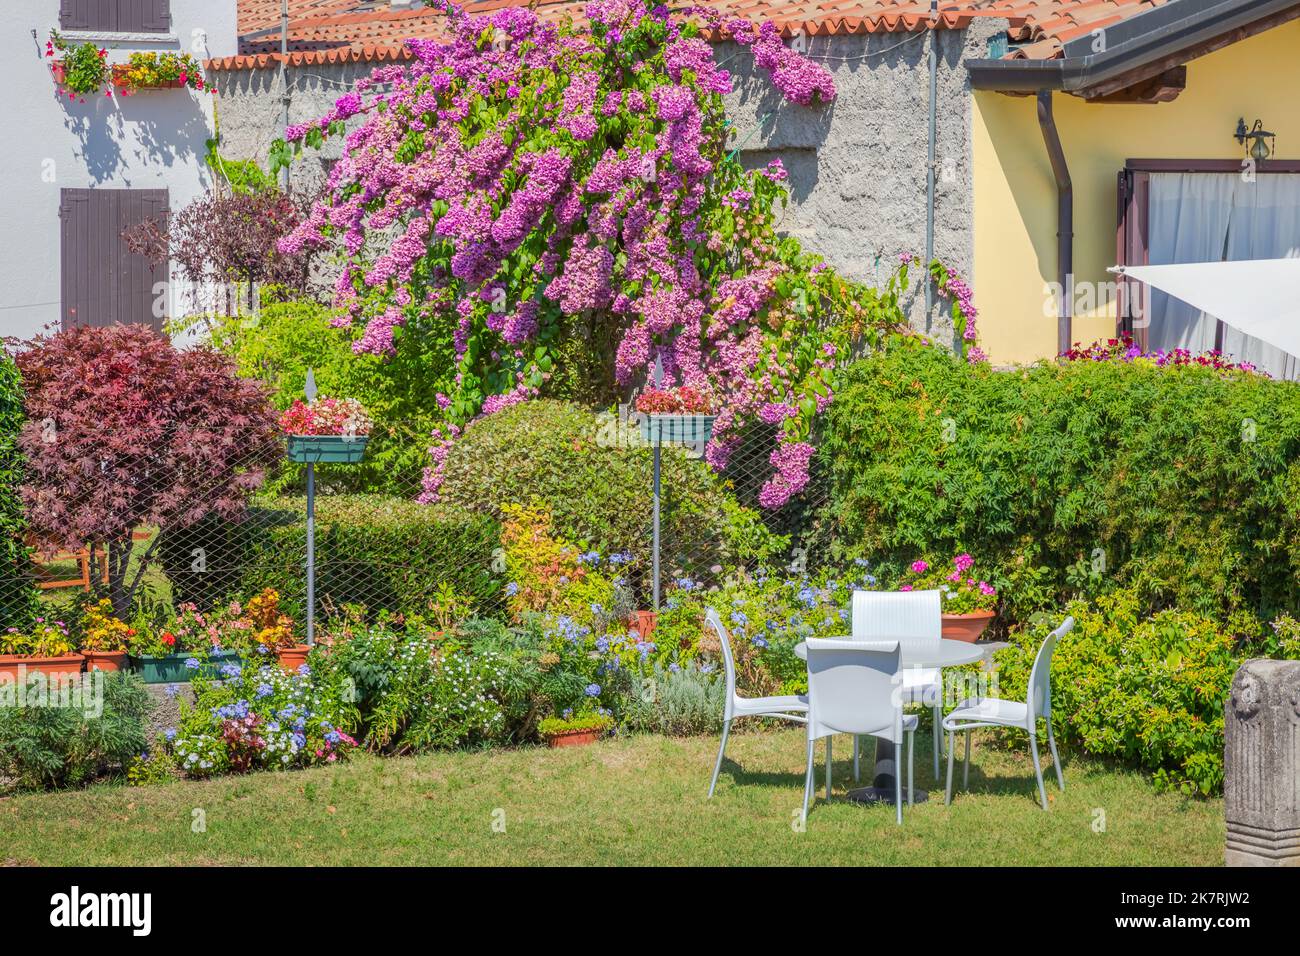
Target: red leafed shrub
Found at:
x=123, y=431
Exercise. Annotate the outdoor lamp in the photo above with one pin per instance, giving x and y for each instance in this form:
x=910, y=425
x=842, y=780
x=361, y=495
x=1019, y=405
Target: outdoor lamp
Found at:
x=1256, y=140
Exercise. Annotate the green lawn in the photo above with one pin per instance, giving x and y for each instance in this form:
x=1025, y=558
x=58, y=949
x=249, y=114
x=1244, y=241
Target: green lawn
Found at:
x=637, y=800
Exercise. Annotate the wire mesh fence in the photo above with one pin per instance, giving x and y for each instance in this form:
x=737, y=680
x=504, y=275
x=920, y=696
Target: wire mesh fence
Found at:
x=386, y=543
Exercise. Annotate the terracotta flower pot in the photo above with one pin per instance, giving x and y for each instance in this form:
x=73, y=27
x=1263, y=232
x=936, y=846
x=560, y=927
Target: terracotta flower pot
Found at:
x=643, y=622
x=575, y=738
x=49, y=666
x=966, y=627
x=291, y=658
x=105, y=660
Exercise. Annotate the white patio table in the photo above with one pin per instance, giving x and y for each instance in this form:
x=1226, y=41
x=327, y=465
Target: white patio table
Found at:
x=949, y=654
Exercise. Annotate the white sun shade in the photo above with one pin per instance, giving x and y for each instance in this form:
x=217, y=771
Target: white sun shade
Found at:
x=1260, y=297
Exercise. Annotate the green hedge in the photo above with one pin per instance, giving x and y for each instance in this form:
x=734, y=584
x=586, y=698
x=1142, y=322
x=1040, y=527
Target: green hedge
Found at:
x=389, y=554
x=17, y=586
x=594, y=478
x=1074, y=479
x=1146, y=690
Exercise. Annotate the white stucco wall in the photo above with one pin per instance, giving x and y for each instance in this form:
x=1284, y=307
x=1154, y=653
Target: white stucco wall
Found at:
x=153, y=140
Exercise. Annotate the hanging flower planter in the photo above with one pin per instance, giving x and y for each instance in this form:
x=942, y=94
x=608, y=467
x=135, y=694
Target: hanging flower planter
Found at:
x=326, y=430
x=676, y=415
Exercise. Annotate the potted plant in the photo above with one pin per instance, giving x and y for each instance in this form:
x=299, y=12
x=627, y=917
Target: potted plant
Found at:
x=681, y=414
x=968, y=602
x=575, y=731
x=104, y=639
x=326, y=430
x=155, y=71
x=272, y=631
x=46, y=649
x=82, y=70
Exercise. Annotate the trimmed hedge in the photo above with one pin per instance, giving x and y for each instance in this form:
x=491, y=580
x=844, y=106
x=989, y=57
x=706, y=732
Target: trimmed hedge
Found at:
x=594, y=479
x=389, y=554
x=17, y=585
x=1074, y=479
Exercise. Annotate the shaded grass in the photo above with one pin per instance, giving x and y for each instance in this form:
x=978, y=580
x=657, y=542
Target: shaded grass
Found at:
x=634, y=800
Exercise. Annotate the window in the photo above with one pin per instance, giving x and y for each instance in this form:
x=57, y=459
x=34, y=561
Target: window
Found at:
x=103, y=282
x=116, y=16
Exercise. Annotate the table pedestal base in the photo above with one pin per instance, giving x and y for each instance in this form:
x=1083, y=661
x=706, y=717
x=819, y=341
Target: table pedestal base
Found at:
x=885, y=795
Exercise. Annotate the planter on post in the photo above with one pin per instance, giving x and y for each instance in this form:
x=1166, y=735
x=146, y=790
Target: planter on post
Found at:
x=345, y=446
x=1261, y=765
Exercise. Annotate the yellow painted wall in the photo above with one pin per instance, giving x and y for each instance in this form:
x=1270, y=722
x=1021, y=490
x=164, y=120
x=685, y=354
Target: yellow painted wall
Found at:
x=1015, y=194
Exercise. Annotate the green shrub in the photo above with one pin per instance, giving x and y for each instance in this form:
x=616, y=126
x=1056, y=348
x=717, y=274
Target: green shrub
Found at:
x=47, y=747
x=1073, y=479
x=17, y=586
x=594, y=480
x=285, y=339
x=1149, y=690
x=679, y=702
x=387, y=554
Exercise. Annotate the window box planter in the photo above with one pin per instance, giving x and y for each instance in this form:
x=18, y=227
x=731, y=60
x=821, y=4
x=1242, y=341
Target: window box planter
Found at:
x=576, y=731
x=58, y=667
x=106, y=660
x=677, y=428
x=575, y=738
x=121, y=78
x=966, y=627
x=171, y=669
x=327, y=448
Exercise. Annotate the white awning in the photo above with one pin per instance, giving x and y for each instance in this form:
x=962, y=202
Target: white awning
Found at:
x=1260, y=297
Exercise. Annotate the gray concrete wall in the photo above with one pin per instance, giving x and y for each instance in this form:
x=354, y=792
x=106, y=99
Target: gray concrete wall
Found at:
x=857, y=167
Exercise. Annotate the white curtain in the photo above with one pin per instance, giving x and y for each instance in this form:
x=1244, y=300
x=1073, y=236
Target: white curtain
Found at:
x=1213, y=217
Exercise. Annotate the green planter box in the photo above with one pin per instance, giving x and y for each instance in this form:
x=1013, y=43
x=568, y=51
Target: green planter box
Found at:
x=331, y=448
x=172, y=670
x=679, y=429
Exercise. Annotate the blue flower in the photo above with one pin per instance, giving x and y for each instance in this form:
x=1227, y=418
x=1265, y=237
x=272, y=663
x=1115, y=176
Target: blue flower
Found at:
x=230, y=670
x=512, y=589
x=739, y=619
x=674, y=668
x=760, y=642
x=591, y=557
x=593, y=690
x=192, y=663
x=685, y=584
x=264, y=690
x=170, y=733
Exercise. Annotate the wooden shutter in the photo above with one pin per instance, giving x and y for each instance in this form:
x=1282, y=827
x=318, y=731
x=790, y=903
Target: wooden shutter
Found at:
x=116, y=16
x=1132, y=248
x=103, y=282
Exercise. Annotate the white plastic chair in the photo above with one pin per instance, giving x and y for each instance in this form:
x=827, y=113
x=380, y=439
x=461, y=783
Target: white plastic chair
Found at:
x=853, y=689
x=915, y=620
x=994, y=712
x=789, y=707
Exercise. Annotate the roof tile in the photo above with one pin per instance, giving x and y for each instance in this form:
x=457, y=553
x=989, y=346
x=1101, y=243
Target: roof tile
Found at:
x=335, y=31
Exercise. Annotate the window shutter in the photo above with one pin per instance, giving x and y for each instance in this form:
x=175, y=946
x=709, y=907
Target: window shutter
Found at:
x=157, y=16
x=75, y=14
x=102, y=281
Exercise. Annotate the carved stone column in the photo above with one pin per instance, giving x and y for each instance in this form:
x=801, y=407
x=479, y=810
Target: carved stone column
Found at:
x=1261, y=758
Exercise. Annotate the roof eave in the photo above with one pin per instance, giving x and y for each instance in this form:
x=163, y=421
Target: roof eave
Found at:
x=1180, y=25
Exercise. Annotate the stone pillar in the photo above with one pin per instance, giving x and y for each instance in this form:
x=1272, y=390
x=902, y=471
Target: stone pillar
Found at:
x=1261, y=760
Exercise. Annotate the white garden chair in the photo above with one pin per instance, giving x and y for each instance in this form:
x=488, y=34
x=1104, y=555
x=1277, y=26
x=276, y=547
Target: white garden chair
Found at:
x=915, y=620
x=853, y=689
x=789, y=707
x=993, y=712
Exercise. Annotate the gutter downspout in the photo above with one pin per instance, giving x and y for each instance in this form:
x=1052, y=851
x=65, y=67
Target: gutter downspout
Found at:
x=1064, y=222
x=929, y=165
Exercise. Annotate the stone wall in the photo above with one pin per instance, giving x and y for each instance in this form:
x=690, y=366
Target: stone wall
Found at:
x=857, y=167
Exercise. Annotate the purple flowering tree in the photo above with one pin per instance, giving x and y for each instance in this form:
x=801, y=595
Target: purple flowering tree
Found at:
x=528, y=174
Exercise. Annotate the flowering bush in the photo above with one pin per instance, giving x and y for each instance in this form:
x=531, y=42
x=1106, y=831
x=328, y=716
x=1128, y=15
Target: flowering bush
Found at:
x=44, y=639
x=1124, y=349
x=257, y=717
x=326, y=416
x=683, y=400
x=527, y=173
x=962, y=592
x=963, y=309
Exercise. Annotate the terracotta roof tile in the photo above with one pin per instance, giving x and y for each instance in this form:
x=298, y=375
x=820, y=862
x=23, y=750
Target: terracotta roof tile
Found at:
x=333, y=31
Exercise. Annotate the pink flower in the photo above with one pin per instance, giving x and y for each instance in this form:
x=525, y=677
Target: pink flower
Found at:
x=919, y=567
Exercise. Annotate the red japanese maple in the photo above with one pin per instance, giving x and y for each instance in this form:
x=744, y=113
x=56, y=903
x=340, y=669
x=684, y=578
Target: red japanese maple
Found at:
x=125, y=431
